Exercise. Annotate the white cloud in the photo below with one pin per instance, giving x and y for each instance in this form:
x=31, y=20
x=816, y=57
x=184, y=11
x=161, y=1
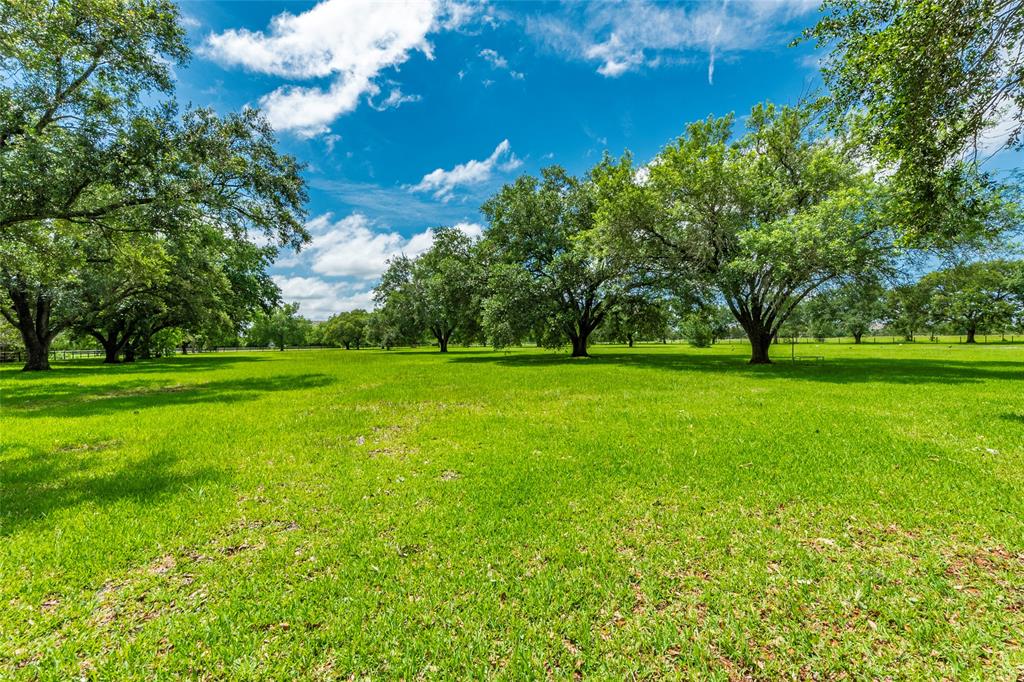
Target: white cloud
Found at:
x=351, y=41
x=318, y=299
x=443, y=183
x=392, y=205
x=395, y=99
x=499, y=63
x=308, y=111
x=346, y=256
x=471, y=230
x=354, y=247
x=630, y=36
x=494, y=59
x=1004, y=122
x=330, y=141
x=351, y=247
x=812, y=61
x=461, y=15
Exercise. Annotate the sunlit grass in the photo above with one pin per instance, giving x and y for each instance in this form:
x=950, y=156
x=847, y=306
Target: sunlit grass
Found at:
x=656, y=511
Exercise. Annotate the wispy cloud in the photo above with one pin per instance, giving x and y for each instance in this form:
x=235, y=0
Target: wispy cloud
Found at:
x=494, y=59
x=443, y=183
x=500, y=63
x=630, y=36
x=393, y=205
x=395, y=99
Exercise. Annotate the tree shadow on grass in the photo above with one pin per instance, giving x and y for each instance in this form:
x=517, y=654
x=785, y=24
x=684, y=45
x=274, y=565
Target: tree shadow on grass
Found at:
x=96, y=366
x=37, y=484
x=840, y=370
x=66, y=400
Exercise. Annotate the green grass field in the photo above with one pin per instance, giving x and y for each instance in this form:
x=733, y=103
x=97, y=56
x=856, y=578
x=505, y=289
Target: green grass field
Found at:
x=656, y=512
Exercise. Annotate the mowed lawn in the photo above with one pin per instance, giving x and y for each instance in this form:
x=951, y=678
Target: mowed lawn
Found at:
x=655, y=512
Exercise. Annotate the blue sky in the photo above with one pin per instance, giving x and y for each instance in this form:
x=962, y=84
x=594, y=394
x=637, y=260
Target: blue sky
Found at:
x=410, y=114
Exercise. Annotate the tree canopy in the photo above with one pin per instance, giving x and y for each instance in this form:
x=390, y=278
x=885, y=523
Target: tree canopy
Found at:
x=766, y=219
x=93, y=152
x=932, y=89
x=546, y=278
x=440, y=291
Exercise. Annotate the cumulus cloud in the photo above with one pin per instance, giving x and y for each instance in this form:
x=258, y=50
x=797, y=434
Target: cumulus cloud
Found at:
x=472, y=230
x=351, y=247
x=628, y=37
x=346, y=256
x=355, y=247
x=350, y=41
x=318, y=299
x=443, y=183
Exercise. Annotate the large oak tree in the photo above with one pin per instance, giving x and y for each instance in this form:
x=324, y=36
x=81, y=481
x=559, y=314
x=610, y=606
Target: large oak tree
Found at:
x=766, y=218
x=545, y=277
x=91, y=144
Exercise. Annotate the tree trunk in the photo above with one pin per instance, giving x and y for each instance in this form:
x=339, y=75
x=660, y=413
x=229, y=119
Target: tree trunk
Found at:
x=129, y=353
x=184, y=347
x=971, y=331
x=37, y=357
x=111, y=346
x=579, y=346
x=629, y=339
x=856, y=336
x=111, y=354
x=442, y=342
x=760, y=342
x=32, y=319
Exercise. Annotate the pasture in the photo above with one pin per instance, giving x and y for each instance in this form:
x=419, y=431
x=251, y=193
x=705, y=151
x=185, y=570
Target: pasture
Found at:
x=654, y=512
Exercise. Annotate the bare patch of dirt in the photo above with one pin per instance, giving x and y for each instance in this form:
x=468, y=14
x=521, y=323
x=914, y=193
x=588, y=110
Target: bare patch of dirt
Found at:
x=162, y=565
x=98, y=446
x=140, y=391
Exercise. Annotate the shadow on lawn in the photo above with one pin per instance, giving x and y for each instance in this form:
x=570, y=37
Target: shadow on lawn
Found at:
x=840, y=370
x=76, y=400
x=176, y=363
x=37, y=484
